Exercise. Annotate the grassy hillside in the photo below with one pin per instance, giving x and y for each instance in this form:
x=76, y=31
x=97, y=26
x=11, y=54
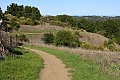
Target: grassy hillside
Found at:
x=93, y=38
x=35, y=33
x=100, y=61
x=84, y=68
x=39, y=28
x=86, y=64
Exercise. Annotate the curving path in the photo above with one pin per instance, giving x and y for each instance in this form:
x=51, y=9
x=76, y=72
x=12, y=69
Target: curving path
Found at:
x=53, y=69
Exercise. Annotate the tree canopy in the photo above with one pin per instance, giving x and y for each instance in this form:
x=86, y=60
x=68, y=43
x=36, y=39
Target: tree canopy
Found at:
x=1, y=14
x=20, y=10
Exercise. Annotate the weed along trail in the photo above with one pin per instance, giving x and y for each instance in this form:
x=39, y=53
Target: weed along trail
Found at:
x=53, y=69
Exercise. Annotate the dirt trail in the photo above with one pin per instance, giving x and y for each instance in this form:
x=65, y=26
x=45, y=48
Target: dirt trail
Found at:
x=53, y=69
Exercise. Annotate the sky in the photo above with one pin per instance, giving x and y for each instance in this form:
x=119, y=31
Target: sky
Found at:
x=70, y=7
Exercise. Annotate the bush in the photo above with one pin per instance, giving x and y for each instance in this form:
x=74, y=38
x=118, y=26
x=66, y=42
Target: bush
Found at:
x=48, y=38
x=63, y=38
x=22, y=20
x=74, y=44
x=22, y=38
x=41, y=22
x=12, y=22
x=58, y=23
x=11, y=17
x=66, y=38
x=117, y=36
x=29, y=22
x=85, y=45
x=109, y=45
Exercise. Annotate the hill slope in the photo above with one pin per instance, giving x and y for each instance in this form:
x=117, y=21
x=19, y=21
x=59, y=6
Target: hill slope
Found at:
x=91, y=38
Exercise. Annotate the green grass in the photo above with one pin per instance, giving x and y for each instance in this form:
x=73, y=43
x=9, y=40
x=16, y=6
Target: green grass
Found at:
x=82, y=69
x=26, y=67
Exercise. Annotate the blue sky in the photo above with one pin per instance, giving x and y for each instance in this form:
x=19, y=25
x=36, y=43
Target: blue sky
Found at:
x=70, y=7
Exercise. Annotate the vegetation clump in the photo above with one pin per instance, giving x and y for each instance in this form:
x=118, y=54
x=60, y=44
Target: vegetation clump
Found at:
x=48, y=38
x=62, y=38
x=8, y=42
x=110, y=45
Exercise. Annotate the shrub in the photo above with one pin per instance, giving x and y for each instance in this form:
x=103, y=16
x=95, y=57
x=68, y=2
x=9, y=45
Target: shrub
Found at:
x=66, y=38
x=29, y=22
x=22, y=38
x=12, y=22
x=102, y=32
x=48, y=38
x=117, y=36
x=63, y=38
x=109, y=45
x=41, y=22
x=74, y=44
x=58, y=23
x=11, y=17
x=85, y=45
x=22, y=20
x=101, y=48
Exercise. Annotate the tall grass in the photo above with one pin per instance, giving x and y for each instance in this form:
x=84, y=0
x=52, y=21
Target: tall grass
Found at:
x=23, y=67
x=82, y=69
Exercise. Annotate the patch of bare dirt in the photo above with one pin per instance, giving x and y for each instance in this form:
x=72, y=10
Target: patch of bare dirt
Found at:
x=54, y=69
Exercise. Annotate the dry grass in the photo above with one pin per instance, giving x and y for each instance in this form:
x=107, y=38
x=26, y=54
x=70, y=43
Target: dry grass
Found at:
x=40, y=28
x=108, y=61
x=93, y=39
